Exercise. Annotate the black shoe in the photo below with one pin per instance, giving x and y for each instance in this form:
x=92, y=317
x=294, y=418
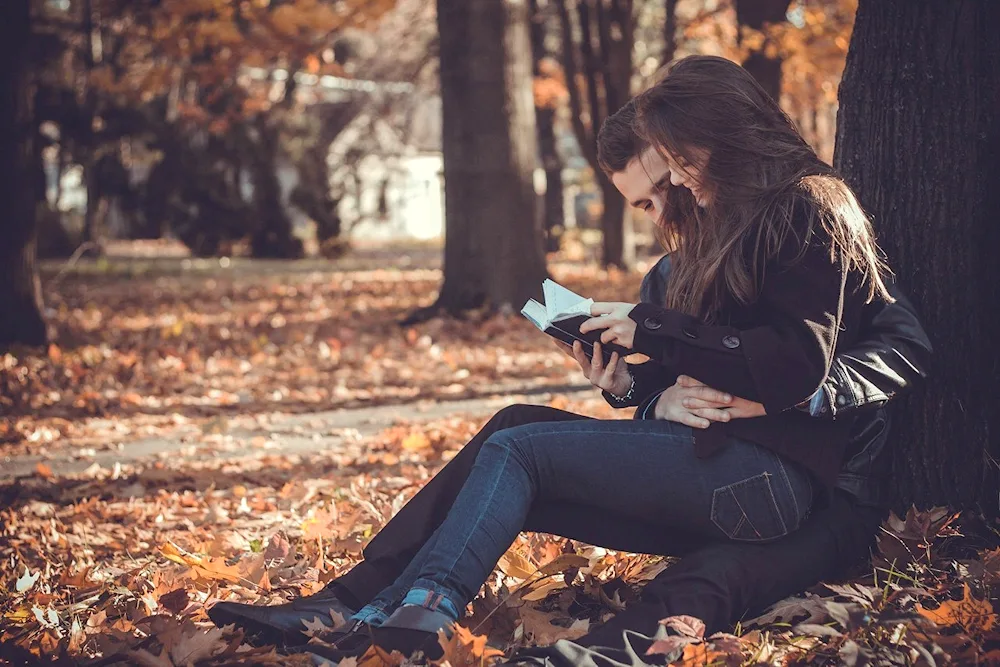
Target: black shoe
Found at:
x=283, y=624
x=410, y=629
x=350, y=643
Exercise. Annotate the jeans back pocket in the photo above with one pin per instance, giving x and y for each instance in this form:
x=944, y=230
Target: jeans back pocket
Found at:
x=748, y=510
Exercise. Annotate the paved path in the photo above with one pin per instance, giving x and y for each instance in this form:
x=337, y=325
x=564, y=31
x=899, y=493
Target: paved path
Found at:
x=289, y=434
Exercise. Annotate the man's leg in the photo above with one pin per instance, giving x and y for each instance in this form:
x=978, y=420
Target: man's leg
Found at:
x=390, y=551
x=724, y=582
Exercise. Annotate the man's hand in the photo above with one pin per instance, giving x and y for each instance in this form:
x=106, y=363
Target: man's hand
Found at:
x=614, y=319
x=697, y=405
x=614, y=377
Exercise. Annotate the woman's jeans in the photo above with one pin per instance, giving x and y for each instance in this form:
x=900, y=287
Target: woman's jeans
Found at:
x=642, y=470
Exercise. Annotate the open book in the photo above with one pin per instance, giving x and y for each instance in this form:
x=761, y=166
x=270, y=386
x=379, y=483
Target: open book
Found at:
x=561, y=316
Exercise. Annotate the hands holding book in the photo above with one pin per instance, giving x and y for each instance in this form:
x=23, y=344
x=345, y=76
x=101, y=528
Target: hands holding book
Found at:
x=612, y=377
x=613, y=318
x=599, y=334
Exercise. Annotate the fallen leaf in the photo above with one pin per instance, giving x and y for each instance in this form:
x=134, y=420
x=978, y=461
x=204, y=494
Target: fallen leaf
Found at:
x=416, y=442
x=26, y=581
x=540, y=627
x=686, y=626
x=175, y=601
x=975, y=616
x=809, y=609
x=464, y=649
x=515, y=565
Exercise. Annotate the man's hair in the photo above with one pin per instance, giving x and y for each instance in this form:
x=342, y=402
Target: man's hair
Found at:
x=617, y=142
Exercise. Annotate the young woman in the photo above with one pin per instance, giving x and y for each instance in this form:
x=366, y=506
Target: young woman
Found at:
x=773, y=261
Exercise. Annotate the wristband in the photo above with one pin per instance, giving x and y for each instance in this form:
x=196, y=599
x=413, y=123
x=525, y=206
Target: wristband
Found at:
x=628, y=394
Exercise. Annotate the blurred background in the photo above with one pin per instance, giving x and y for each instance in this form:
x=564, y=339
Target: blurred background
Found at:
x=297, y=128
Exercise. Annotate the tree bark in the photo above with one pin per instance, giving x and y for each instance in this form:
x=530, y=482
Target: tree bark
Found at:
x=918, y=137
x=553, y=216
x=20, y=290
x=669, y=33
x=757, y=14
x=603, y=56
x=493, y=238
x=273, y=238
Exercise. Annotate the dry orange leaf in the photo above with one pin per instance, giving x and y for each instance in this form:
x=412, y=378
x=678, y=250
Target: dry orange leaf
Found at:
x=697, y=655
x=515, y=565
x=43, y=471
x=972, y=614
x=415, y=442
x=464, y=649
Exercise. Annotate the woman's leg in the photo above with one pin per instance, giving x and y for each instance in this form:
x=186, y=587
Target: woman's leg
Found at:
x=393, y=548
x=645, y=470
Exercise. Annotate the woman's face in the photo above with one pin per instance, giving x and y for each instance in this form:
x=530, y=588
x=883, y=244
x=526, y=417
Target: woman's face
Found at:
x=689, y=174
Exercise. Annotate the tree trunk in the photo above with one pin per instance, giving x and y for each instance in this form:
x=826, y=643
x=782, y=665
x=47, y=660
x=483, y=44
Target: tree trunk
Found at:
x=603, y=56
x=918, y=137
x=764, y=67
x=613, y=224
x=20, y=291
x=553, y=215
x=94, y=214
x=493, y=240
x=669, y=33
x=273, y=238
x=552, y=204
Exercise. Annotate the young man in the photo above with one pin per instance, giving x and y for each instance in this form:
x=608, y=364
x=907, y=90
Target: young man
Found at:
x=715, y=581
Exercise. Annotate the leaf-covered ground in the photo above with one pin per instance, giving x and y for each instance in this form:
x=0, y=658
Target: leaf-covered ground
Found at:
x=205, y=433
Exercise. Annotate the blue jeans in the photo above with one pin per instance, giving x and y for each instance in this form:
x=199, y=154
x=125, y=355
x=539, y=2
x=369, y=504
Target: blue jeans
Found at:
x=645, y=470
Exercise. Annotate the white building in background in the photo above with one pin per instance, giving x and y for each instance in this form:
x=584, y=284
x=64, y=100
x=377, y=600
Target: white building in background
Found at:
x=396, y=190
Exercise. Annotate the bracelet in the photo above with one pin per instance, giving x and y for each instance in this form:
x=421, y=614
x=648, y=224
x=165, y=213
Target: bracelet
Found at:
x=628, y=394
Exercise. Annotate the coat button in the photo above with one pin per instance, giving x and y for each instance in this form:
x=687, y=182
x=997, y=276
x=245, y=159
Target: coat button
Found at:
x=652, y=323
x=731, y=342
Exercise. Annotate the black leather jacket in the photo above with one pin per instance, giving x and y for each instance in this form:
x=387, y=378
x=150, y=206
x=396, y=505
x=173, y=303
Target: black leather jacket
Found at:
x=891, y=354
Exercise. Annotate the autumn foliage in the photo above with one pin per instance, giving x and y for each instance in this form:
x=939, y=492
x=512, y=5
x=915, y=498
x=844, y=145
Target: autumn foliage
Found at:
x=195, y=443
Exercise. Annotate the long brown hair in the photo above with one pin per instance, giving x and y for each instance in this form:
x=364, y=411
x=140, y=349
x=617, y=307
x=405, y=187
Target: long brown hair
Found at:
x=761, y=176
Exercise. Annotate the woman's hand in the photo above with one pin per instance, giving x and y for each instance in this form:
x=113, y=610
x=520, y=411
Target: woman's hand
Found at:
x=697, y=405
x=614, y=319
x=614, y=377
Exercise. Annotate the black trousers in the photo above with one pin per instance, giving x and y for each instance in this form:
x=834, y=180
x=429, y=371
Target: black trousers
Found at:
x=717, y=582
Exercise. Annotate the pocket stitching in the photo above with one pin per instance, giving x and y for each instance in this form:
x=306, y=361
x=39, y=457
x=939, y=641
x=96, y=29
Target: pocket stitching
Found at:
x=716, y=494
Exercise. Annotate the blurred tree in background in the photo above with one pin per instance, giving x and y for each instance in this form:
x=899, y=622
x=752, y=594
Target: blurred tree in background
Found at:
x=21, y=296
x=213, y=121
x=550, y=95
x=205, y=87
x=597, y=43
x=493, y=254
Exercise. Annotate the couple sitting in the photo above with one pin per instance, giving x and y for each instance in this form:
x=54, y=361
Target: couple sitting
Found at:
x=757, y=448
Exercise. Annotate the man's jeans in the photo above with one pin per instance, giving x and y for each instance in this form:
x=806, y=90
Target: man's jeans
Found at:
x=638, y=470
x=717, y=581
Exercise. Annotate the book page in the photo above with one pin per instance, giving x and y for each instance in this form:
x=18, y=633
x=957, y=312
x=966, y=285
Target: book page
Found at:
x=561, y=303
x=536, y=314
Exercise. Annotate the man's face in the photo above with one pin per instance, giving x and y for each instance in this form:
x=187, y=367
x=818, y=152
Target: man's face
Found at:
x=643, y=182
